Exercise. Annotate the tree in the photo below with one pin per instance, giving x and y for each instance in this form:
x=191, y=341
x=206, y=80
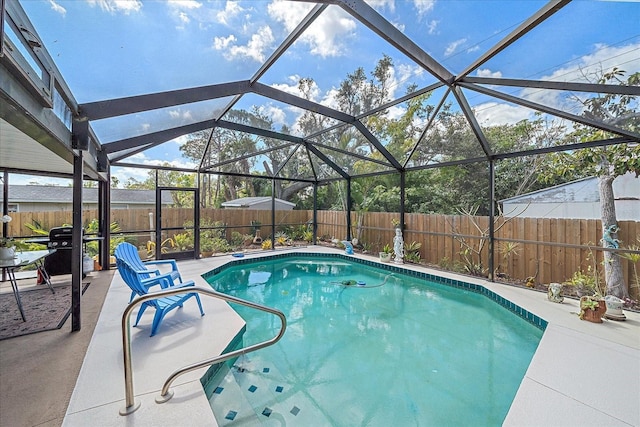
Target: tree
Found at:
x=606, y=163
x=166, y=178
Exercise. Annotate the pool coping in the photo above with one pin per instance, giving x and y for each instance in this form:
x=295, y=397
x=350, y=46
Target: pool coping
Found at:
x=560, y=387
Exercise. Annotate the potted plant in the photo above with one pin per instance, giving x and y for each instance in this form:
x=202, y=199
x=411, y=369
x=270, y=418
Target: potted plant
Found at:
x=592, y=308
x=614, y=308
x=385, y=254
x=7, y=244
x=584, y=284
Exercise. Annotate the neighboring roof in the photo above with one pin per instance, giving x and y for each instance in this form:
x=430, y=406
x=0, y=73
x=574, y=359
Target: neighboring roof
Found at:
x=583, y=190
x=58, y=194
x=246, y=202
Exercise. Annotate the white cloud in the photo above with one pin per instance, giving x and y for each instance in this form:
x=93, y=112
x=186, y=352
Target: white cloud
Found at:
x=276, y=114
x=432, y=26
x=183, y=17
x=424, y=6
x=395, y=112
x=183, y=11
x=221, y=43
x=326, y=36
x=57, y=8
x=494, y=113
x=292, y=87
x=180, y=114
x=587, y=68
x=382, y=4
x=255, y=48
x=488, y=73
x=116, y=6
x=231, y=10
x=184, y=4
x=453, y=46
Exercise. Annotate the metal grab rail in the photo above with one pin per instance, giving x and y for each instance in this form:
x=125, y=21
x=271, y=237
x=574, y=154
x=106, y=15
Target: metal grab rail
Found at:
x=165, y=395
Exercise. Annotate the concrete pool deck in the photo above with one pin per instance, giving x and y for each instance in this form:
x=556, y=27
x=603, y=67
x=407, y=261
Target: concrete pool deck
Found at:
x=582, y=373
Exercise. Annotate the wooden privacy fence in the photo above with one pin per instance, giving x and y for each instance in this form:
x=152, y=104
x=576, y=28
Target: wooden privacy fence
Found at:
x=550, y=250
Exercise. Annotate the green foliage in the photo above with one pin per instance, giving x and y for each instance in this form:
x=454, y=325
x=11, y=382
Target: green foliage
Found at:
x=237, y=238
x=387, y=249
x=412, y=252
x=221, y=245
x=282, y=239
x=634, y=259
x=165, y=246
x=584, y=282
x=183, y=241
x=36, y=227
x=307, y=236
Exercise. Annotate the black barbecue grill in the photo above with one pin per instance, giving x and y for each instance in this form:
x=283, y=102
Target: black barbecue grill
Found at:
x=59, y=262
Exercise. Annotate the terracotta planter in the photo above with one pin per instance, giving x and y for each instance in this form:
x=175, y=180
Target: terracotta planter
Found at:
x=592, y=315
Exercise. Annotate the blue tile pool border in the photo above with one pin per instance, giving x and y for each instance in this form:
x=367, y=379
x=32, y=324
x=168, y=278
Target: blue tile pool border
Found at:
x=472, y=287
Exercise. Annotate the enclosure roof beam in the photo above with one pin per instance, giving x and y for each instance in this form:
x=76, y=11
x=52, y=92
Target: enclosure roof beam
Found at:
x=390, y=33
x=349, y=153
x=400, y=100
x=154, y=167
x=247, y=156
x=327, y=160
x=569, y=86
x=159, y=136
x=373, y=140
x=257, y=131
x=296, y=101
x=277, y=172
x=291, y=38
x=533, y=21
x=427, y=127
x=471, y=118
x=313, y=166
x=549, y=110
x=567, y=147
x=124, y=154
x=136, y=104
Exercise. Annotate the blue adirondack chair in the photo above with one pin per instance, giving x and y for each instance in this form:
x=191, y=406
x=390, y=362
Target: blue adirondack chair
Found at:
x=129, y=253
x=162, y=305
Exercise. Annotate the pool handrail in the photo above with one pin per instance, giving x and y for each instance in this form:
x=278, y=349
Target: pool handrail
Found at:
x=165, y=395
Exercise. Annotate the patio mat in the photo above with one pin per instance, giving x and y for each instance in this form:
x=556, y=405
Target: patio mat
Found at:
x=44, y=311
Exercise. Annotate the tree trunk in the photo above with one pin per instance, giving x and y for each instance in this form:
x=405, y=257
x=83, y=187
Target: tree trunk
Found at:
x=612, y=264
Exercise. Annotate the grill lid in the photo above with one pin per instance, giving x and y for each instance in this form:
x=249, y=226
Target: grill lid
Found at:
x=61, y=233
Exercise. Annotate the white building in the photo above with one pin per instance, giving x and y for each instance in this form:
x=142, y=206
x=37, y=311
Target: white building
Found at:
x=258, y=203
x=577, y=200
x=38, y=198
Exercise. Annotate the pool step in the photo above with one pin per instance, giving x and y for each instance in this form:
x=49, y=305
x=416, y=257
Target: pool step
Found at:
x=253, y=392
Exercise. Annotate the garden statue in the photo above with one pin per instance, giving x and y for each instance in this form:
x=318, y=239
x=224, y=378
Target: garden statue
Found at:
x=553, y=293
x=398, y=247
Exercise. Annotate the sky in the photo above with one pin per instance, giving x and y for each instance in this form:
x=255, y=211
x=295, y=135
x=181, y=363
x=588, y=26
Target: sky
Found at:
x=108, y=49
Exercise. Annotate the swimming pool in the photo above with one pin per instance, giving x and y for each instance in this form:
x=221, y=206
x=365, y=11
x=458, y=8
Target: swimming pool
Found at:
x=370, y=346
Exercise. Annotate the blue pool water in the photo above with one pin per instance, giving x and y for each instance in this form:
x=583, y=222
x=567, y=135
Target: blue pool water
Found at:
x=397, y=350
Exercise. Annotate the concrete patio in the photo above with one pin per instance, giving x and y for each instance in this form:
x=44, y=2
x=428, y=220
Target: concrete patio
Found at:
x=582, y=373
